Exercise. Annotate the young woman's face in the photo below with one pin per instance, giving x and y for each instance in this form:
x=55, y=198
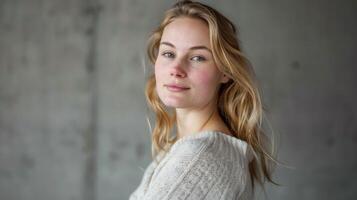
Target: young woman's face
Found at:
x=186, y=74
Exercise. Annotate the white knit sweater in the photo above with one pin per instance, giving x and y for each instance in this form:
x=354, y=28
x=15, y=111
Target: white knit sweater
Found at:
x=209, y=165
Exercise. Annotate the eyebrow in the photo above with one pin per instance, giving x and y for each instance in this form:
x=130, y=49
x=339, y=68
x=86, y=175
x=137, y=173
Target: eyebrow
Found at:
x=192, y=48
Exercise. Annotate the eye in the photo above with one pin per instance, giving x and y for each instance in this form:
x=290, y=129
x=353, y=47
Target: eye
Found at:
x=168, y=54
x=198, y=58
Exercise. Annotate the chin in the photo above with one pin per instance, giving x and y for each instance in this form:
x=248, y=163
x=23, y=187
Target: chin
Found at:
x=174, y=104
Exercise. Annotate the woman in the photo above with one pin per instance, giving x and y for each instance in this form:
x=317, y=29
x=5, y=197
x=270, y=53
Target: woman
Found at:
x=202, y=89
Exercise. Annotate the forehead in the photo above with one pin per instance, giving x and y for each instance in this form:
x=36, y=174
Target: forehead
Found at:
x=185, y=32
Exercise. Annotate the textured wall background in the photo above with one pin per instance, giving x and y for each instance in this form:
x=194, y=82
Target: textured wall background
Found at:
x=72, y=107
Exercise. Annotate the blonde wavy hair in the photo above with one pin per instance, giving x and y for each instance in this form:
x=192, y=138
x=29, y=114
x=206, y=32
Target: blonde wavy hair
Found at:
x=239, y=102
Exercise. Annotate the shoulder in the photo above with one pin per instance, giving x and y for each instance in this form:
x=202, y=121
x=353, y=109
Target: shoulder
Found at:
x=200, y=162
x=213, y=145
x=209, y=152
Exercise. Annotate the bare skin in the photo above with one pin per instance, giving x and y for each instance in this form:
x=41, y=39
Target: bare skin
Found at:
x=208, y=119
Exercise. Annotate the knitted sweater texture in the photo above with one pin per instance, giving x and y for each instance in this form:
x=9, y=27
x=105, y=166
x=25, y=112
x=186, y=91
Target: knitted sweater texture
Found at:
x=209, y=165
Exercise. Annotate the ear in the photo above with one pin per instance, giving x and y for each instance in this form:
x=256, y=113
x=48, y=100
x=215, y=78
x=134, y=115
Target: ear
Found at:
x=224, y=78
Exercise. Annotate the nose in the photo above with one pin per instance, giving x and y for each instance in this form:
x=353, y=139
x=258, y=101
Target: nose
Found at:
x=177, y=70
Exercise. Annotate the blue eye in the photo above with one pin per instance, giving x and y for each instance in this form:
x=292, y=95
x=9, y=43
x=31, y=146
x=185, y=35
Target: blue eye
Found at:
x=168, y=54
x=198, y=58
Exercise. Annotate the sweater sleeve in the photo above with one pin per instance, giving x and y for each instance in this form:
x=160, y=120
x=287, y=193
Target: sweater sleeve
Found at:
x=194, y=171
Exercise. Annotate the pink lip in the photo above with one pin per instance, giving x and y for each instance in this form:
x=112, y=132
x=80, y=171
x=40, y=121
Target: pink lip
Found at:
x=176, y=88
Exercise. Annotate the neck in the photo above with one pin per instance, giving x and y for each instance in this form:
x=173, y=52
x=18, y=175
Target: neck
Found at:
x=192, y=121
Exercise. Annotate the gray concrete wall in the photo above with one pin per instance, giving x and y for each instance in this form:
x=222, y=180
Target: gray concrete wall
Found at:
x=72, y=106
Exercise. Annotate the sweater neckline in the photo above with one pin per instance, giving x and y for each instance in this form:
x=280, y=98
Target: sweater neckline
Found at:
x=214, y=133
x=236, y=142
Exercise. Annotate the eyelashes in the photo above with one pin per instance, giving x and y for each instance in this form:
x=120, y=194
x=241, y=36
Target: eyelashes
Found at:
x=196, y=58
x=168, y=54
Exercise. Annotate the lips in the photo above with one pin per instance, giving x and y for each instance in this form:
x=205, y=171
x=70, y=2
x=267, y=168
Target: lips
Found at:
x=176, y=87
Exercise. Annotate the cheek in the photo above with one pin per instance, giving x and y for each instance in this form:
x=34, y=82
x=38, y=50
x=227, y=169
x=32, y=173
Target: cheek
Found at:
x=158, y=72
x=206, y=79
x=205, y=83
x=159, y=78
